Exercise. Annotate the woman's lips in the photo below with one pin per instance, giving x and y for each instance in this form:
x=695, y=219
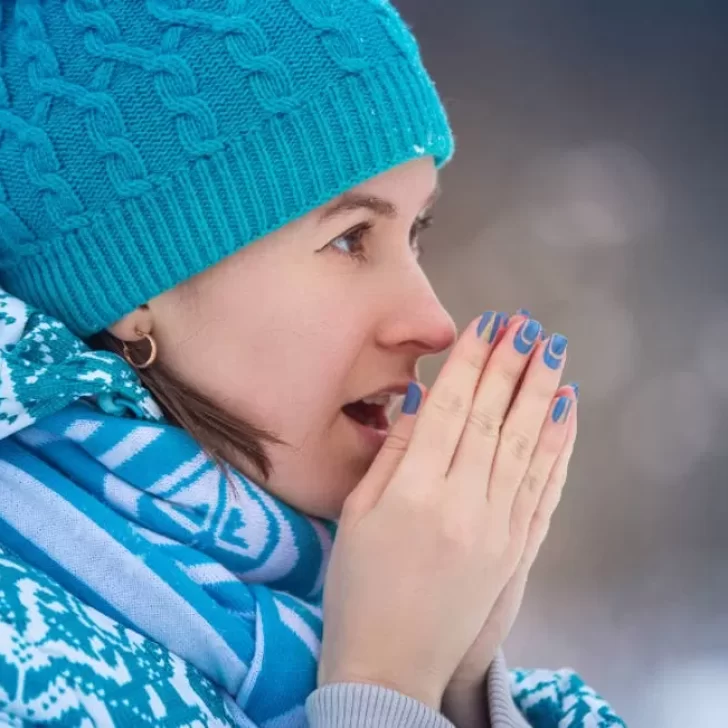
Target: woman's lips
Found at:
x=373, y=437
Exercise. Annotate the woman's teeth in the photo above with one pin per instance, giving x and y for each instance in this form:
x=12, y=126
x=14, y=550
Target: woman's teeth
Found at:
x=380, y=400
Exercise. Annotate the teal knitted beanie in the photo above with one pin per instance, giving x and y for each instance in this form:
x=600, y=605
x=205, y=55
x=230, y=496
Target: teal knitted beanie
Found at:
x=142, y=142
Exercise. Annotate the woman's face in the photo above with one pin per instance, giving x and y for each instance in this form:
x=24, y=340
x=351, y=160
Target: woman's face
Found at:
x=332, y=308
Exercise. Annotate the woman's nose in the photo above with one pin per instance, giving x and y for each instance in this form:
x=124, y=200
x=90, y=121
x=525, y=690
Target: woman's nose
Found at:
x=420, y=320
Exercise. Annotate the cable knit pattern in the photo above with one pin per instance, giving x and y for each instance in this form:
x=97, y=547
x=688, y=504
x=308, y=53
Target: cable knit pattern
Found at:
x=141, y=143
x=249, y=49
x=101, y=115
x=174, y=80
x=18, y=231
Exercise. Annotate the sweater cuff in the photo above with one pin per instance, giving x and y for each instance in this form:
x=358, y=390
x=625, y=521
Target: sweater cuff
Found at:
x=502, y=709
x=359, y=705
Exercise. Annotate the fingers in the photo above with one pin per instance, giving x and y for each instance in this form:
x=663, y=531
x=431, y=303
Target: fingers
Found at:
x=555, y=444
x=447, y=410
x=370, y=489
x=551, y=495
x=503, y=373
x=522, y=428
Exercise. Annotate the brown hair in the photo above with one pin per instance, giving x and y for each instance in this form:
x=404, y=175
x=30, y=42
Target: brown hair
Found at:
x=224, y=437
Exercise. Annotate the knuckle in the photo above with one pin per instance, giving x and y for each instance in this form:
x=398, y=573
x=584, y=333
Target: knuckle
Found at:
x=533, y=482
x=449, y=403
x=518, y=444
x=485, y=423
x=472, y=358
x=508, y=376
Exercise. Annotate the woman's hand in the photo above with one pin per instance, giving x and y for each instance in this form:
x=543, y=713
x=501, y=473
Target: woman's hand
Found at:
x=464, y=701
x=438, y=526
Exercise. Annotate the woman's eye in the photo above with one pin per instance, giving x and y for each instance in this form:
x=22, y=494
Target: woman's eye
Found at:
x=351, y=242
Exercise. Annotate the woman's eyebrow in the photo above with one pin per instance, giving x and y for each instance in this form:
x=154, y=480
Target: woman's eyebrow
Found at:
x=351, y=201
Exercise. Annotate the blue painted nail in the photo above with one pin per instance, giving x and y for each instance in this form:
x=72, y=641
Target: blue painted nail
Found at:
x=575, y=387
x=554, y=353
x=526, y=336
x=523, y=312
x=485, y=319
x=412, y=399
x=561, y=409
x=489, y=325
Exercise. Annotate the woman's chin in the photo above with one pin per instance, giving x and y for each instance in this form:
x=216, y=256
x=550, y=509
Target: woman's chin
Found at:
x=319, y=488
x=316, y=480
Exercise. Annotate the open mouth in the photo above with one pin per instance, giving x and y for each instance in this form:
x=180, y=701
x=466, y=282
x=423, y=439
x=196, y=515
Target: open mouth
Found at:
x=373, y=411
x=367, y=414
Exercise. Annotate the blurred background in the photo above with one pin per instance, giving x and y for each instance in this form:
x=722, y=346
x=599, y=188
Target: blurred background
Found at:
x=590, y=187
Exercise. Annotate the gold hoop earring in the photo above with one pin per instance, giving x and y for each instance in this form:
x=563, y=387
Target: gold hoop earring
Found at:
x=152, y=354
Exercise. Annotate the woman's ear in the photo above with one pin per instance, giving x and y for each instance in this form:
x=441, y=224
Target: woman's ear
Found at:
x=134, y=325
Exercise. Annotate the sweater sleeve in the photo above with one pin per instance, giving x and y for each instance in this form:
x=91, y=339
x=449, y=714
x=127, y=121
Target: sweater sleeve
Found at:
x=355, y=705
x=502, y=709
x=358, y=705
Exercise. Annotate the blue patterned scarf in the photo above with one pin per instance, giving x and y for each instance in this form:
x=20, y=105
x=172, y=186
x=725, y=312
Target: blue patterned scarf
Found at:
x=129, y=514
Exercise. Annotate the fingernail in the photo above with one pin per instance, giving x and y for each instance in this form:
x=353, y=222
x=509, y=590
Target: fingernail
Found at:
x=412, y=399
x=485, y=319
x=561, y=409
x=523, y=312
x=575, y=387
x=526, y=336
x=489, y=325
x=554, y=353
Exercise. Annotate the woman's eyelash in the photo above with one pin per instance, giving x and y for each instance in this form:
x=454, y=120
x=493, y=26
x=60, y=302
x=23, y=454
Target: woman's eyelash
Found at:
x=421, y=224
x=356, y=236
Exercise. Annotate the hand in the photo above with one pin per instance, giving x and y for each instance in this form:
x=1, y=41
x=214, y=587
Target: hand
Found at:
x=441, y=518
x=464, y=699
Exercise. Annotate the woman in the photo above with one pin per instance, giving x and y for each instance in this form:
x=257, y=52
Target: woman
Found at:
x=209, y=217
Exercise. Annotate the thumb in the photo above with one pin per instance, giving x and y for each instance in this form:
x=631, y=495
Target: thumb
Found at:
x=368, y=492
